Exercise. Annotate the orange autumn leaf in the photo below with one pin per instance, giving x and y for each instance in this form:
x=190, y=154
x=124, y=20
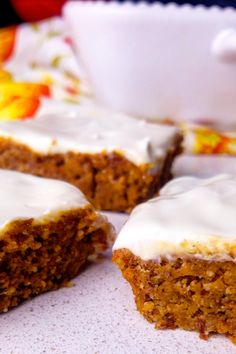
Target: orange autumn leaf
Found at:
x=19, y=108
x=203, y=140
x=213, y=142
x=5, y=100
x=7, y=42
x=20, y=100
x=24, y=89
x=5, y=76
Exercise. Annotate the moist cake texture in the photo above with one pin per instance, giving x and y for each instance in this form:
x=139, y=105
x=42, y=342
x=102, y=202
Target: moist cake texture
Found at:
x=48, y=231
x=116, y=161
x=178, y=252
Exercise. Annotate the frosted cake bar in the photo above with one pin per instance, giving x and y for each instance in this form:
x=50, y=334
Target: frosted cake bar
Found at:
x=117, y=161
x=178, y=252
x=48, y=231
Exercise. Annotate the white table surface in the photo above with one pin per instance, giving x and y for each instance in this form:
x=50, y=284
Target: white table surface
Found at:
x=97, y=315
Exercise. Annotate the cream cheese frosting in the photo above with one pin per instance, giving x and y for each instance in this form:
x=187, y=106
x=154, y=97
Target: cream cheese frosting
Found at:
x=93, y=130
x=24, y=196
x=192, y=216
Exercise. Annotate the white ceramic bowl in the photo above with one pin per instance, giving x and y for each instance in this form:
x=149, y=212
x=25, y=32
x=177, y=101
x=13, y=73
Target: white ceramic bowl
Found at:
x=158, y=61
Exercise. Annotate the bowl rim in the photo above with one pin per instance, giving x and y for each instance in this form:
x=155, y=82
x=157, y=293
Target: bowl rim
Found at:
x=128, y=6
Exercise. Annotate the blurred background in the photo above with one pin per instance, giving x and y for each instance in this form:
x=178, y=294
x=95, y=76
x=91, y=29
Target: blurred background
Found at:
x=17, y=11
x=7, y=13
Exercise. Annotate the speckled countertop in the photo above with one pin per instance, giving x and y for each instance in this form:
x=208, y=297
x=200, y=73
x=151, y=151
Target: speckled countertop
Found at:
x=97, y=315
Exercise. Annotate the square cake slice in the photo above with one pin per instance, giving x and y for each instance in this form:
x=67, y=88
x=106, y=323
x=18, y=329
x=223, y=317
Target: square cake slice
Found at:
x=116, y=161
x=48, y=230
x=178, y=252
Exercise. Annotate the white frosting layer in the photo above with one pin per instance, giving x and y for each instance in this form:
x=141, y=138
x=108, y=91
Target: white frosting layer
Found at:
x=23, y=196
x=93, y=130
x=191, y=216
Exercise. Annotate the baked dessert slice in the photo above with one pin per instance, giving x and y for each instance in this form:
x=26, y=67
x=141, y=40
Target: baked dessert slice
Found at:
x=116, y=161
x=178, y=252
x=48, y=231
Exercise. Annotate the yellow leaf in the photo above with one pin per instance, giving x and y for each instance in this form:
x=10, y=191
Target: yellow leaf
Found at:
x=20, y=108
